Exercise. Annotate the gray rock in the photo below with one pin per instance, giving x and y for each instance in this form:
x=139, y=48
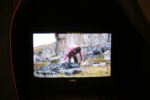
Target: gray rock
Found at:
x=37, y=59
x=107, y=57
x=100, y=64
x=68, y=66
x=73, y=71
x=96, y=65
x=96, y=51
x=86, y=63
x=55, y=58
x=74, y=65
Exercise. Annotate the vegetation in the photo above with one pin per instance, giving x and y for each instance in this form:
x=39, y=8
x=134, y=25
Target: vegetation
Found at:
x=98, y=60
x=40, y=64
x=95, y=71
x=92, y=71
x=54, y=56
x=54, y=61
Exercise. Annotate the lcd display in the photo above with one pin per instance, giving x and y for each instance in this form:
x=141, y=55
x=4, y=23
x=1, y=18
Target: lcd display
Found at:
x=65, y=55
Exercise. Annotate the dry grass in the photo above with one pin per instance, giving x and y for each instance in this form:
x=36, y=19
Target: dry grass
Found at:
x=40, y=64
x=98, y=60
x=91, y=71
x=94, y=72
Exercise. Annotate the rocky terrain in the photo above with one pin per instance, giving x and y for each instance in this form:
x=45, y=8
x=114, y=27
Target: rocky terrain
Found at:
x=97, y=53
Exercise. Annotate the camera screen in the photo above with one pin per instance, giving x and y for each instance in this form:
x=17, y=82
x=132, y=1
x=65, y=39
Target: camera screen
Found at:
x=65, y=55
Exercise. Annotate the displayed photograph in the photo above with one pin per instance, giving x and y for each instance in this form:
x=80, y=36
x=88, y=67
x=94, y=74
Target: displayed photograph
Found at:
x=65, y=55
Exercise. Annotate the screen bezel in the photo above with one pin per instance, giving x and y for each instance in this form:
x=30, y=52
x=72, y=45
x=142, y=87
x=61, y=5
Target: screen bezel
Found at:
x=77, y=30
x=39, y=33
x=63, y=84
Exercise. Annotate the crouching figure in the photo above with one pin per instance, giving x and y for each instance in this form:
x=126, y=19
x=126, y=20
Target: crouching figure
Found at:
x=74, y=52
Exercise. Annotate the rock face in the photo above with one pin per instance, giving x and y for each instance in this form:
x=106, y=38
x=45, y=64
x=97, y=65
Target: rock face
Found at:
x=91, y=44
x=88, y=42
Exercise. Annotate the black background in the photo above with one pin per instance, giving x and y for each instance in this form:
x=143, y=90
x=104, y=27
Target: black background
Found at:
x=130, y=52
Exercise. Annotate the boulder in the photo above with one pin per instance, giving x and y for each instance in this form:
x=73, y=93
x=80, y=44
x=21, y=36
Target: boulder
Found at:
x=86, y=63
x=100, y=51
x=68, y=66
x=54, y=60
x=100, y=64
x=107, y=57
x=73, y=71
x=74, y=65
x=88, y=54
x=37, y=59
x=96, y=65
x=108, y=46
x=96, y=51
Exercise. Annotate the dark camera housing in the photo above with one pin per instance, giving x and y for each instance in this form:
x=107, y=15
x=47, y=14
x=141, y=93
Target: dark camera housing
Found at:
x=30, y=18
